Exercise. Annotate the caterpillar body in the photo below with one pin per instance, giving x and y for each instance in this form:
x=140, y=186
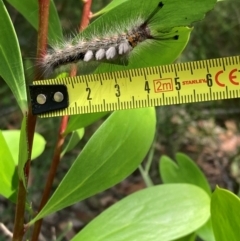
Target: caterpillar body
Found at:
x=96, y=49
x=103, y=48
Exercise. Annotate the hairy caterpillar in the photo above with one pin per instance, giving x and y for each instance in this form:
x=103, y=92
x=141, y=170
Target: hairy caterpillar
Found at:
x=117, y=44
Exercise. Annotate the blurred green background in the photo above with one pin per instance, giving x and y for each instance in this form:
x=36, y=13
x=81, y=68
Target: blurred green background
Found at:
x=209, y=132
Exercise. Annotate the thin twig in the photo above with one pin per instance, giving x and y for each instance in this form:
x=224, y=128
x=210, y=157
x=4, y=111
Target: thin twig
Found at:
x=51, y=175
x=146, y=178
x=86, y=16
x=6, y=231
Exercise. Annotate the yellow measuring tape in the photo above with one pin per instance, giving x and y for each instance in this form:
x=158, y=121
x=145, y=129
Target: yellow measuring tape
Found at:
x=179, y=83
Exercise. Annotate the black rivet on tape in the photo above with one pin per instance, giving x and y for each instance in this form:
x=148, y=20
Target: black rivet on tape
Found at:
x=48, y=98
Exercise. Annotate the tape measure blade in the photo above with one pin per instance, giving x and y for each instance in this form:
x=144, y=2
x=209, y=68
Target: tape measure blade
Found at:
x=179, y=83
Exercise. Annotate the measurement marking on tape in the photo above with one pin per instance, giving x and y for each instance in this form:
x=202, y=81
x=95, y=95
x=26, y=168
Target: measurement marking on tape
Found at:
x=196, y=81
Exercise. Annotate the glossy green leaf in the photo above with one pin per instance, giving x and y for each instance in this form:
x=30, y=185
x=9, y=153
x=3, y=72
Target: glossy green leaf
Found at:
x=206, y=232
x=29, y=10
x=112, y=153
x=111, y=5
x=163, y=212
x=184, y=171
x=8, y=179
x=76, y=136
x=12, y=139
x=11, y=67
x=83, y=120
x=190, y=237
x=225, y=208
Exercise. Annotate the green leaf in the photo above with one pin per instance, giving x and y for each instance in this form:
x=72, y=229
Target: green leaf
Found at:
x=8, y=179
x=12, y=139
x=206, y=232
x=184, y=171
x=11, y=67
x=225, y=208
x=113, y=152
x=73, y=141
x=29, y=10
x=83, y=120
x=113, y=4
x=190, y=237
x=163, y=212
x=110, y=6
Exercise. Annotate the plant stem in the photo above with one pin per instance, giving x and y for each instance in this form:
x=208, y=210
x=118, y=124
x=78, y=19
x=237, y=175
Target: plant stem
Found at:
x=51, y=175
x=31, y=123
x=42, y=34
x=145, y=171
x=61, y=136
x=145, y=176
x=86, y=16
x=150, y=156
x=18, y=230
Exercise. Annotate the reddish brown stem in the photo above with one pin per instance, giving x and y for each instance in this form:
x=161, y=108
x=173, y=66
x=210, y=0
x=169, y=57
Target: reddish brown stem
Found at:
x=61, y=137
x=22, y=192
x=42, y=33
x=18, y=230
x=86, y=16
x=51, y=174
x=31, y=123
